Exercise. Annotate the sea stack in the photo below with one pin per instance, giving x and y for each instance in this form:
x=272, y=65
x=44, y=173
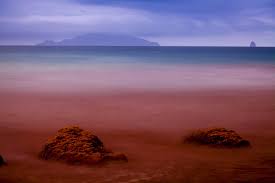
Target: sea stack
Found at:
x=252, y=44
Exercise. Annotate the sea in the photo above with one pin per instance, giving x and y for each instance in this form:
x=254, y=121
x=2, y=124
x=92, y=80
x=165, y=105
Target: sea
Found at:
x=144, y=55
x=93, y=68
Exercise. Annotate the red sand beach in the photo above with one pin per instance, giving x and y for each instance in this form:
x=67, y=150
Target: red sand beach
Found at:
x=146, y=125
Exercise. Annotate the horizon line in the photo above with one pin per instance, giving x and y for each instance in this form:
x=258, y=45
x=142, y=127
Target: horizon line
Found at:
x=31, y=45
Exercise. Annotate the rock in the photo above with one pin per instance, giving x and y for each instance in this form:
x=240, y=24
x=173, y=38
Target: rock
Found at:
x=219, y=137
x=2, y=161
x=76, y=146
x=252, y=44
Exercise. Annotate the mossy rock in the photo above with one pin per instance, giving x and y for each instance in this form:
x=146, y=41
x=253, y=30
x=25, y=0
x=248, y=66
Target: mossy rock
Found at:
x=77, y=146
x=218, y=137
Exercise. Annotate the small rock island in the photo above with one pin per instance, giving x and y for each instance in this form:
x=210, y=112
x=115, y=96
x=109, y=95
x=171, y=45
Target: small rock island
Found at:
x=252, y=44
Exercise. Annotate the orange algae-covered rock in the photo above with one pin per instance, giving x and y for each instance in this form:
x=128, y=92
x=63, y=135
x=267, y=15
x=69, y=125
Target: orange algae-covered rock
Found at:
x=76, y=146
x=219, y=137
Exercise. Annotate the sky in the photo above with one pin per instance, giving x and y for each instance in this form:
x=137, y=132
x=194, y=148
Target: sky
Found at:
x=168, y=22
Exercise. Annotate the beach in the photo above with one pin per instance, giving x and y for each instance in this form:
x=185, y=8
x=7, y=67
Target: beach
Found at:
x=148, y=127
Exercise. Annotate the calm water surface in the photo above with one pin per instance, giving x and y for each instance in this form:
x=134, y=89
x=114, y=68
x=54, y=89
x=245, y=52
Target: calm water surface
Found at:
x=152, y=55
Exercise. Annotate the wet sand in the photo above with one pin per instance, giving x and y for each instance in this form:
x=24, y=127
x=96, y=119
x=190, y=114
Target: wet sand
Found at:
x=146, y=126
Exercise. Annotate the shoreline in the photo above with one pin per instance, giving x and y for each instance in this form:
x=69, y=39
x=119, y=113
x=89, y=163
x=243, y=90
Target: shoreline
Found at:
x=121, y=78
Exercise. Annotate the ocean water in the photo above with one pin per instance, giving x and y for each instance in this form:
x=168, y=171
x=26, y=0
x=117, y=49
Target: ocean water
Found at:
x=144, y=55
x=105, y=69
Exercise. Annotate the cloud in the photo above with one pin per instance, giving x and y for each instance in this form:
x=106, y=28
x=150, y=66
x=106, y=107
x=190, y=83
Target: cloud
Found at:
x=35, y=21
x=68, y=18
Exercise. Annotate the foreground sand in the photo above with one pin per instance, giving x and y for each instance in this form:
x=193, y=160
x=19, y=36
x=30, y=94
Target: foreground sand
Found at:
x=147, y=126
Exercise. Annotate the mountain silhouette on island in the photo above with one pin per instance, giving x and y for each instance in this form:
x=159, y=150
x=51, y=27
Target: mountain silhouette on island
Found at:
x=98, y=39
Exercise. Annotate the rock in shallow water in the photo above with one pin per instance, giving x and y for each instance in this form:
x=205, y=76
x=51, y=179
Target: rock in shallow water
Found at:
x=76, y=146
x=219, y=137
x=2, y=161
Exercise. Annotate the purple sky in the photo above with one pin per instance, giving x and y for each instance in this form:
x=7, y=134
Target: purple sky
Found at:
x=173, y=22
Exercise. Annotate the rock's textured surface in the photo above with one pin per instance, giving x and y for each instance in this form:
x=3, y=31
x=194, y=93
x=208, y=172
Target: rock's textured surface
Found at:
x=76, y=146
x=219, y=137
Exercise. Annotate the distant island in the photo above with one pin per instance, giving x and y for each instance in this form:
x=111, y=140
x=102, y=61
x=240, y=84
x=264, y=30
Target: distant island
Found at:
x=252, y=44
x=98, y=39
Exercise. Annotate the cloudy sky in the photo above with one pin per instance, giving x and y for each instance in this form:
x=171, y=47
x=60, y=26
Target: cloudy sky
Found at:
x=169, y=22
